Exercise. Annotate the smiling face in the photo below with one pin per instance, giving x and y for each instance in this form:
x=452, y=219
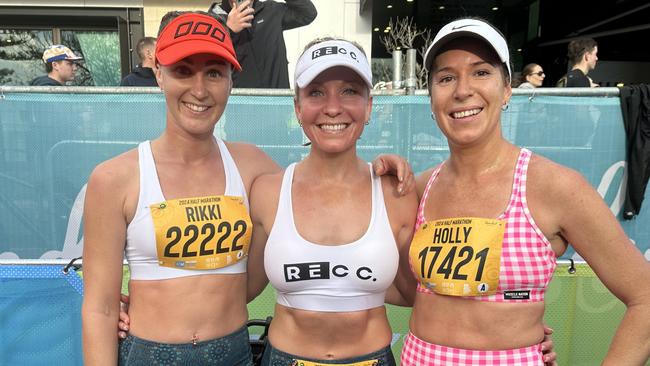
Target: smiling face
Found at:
x=196, y=90
x=468, y=91
x=333, y=109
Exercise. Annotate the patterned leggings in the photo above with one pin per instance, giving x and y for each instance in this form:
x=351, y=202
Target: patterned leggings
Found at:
x=230, y=350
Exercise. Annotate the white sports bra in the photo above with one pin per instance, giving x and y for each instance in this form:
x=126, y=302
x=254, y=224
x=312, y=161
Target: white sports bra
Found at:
x=337, y=278
x=141, y=250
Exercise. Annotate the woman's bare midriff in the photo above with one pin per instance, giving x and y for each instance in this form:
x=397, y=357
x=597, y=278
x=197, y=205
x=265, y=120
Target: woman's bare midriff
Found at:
x=182, y=310
x=480, y=325
x=323, y=335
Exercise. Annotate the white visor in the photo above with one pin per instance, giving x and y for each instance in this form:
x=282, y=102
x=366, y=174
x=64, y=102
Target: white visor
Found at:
x=327, y=54
x=469, y=28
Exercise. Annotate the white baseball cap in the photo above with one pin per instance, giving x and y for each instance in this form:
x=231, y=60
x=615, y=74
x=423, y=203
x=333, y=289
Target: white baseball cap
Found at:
x=469, y=28
x=327, y=54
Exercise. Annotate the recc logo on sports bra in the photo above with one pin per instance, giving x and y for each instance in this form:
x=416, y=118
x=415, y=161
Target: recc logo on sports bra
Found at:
x=201, y=29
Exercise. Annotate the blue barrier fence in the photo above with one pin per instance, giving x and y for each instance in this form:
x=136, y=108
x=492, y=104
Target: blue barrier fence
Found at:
x=40, y=319
x=52, y=141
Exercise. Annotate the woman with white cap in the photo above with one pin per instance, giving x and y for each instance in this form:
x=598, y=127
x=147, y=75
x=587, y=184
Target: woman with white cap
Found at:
x=494, y=217
x=328, y=233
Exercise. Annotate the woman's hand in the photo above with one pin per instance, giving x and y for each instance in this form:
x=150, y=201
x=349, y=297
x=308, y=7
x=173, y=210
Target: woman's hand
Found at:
x=123, y=324
x=398, y=166
x=548, y=354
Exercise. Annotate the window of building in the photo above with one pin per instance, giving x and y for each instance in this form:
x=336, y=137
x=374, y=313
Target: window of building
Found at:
x=20, y=55
x=104, y=37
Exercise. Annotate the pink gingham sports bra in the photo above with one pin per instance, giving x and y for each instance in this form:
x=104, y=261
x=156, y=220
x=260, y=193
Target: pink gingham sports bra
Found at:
x=507, y=259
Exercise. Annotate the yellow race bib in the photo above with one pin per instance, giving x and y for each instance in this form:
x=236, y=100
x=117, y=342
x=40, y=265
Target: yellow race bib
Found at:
x=201, y=233
x=310, y=363
x=458, y=256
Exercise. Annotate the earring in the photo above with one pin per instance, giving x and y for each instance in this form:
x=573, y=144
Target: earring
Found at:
x=300, y=123
x=505, y=107
x=367, y=123
x=433, y=117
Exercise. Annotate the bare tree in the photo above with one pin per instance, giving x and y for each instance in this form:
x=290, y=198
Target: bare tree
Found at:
x=404, y=34
x=408, y=31
x=427, y=39
x=391, y=40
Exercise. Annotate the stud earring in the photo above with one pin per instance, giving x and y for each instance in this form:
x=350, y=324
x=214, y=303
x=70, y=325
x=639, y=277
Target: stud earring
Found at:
x=367, y=123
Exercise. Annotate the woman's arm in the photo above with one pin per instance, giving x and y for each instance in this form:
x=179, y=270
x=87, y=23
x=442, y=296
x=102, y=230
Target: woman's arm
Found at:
x=585, y=221
x=104, y=240
x=401, y=214
x=263, y=203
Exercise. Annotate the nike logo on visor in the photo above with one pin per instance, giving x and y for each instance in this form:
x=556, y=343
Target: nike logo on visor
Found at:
x=462, y=26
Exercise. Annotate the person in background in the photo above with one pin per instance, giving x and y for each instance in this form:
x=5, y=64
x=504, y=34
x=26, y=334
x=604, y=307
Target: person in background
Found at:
x=494, y=217
x=257, y=32
x=144, y=73
x=583, y=55
x=60, y=65
x=532, y=76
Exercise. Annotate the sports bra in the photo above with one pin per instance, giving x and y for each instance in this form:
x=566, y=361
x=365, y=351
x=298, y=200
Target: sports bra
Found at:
x=330, y=278
x=191, y=236
x=507, y=259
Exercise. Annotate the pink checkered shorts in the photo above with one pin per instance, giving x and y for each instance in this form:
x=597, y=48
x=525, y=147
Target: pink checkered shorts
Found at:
x=417, y=352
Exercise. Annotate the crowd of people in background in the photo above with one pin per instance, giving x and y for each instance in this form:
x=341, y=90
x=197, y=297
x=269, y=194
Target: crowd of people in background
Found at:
x=257, y=27
x=582, y=55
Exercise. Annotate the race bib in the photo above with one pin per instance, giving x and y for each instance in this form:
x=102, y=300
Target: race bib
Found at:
x=310, y=363
x=201, y=233
x=459, y=256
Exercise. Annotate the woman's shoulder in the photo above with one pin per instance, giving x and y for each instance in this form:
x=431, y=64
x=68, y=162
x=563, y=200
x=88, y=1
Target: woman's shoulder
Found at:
x=115, y=175
x=251, y=160
x=117, y=168
x=548, y=177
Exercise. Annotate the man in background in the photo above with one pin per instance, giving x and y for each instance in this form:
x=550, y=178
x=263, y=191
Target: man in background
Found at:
x=583, y=55
x=60, y=65
x=257, y=33
x=143, y=74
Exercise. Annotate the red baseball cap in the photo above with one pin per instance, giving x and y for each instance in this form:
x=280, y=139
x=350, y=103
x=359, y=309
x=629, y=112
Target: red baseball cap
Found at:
x=192, y=33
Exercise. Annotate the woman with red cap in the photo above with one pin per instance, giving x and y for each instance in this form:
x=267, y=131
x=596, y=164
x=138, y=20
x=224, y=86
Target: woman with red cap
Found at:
x=494, y=217
x=177, y=207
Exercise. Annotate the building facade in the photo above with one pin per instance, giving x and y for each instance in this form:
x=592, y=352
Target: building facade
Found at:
x=105, y=33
